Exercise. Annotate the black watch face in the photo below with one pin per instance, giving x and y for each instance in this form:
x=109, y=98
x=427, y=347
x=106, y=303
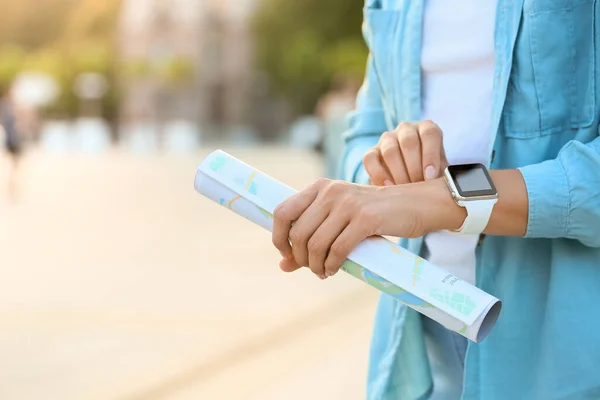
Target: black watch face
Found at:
x=472, y=180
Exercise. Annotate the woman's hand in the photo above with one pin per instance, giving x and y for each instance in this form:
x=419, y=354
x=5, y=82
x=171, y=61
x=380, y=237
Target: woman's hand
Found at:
x=327, y=220
x=409, y=153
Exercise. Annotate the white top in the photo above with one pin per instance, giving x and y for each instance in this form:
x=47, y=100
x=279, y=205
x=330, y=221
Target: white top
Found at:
x=457, y=68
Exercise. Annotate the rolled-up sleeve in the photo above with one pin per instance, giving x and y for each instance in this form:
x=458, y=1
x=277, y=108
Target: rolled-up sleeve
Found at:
x=564, y=194
x=366, y=124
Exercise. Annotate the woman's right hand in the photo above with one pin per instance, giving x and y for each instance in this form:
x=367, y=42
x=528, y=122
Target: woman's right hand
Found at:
x=413, y=152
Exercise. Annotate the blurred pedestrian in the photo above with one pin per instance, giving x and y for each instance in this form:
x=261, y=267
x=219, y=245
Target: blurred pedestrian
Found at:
x=12, y=141
x=332, y=110
x=452, y=89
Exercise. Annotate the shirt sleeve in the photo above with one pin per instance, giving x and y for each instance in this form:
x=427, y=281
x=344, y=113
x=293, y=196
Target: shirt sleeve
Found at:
x=564, y=194
x=366, y=124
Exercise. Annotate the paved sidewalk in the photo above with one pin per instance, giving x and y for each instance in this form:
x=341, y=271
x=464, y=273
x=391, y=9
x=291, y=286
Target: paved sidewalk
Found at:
x=118, y=281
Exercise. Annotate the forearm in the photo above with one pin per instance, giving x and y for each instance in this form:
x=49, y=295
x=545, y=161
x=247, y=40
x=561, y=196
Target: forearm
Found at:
x=438, y=210
x=510, y=214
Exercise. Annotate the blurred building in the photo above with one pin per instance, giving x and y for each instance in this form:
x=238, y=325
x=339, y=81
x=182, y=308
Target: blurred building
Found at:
x=187, y=60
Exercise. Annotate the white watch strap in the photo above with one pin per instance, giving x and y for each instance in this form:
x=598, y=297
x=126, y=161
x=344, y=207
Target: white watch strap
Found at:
x=478, y=216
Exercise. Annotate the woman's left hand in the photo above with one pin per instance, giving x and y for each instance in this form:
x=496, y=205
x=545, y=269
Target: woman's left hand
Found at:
x=327, y=220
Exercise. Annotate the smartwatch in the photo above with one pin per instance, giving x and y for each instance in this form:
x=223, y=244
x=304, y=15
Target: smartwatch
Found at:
x=472, y=188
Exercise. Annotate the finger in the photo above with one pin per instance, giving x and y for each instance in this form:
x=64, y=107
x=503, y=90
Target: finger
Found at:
x=445, y=162
x=374, y=166
x=392, y=157
x=289, y=265
x=289, y=211
x=433, y=155
x=304, y=229
x=410, y=144
x=321, y=241
x=347, y=241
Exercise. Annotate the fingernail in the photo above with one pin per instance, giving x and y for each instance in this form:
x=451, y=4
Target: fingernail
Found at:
x=388, y=183
x=322, y=277
x=430, y=172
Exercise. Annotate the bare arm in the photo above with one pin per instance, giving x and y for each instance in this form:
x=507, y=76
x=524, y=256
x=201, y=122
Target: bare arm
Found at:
x=440, y=212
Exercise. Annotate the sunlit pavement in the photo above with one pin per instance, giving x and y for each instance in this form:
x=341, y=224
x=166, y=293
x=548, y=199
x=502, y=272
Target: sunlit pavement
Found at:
x=118, y=281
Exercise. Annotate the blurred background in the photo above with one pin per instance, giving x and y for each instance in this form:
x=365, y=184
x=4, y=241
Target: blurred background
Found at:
x=119, y=281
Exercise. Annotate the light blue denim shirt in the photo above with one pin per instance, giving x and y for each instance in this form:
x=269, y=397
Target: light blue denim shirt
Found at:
x=546, y=344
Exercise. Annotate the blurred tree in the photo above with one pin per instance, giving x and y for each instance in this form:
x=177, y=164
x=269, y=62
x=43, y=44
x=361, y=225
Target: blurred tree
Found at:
x=13, y=58
x=62, y=38
x=32, y=24
x=88, y=44
x=172, y=71
x=302, y=45
x=176, y=70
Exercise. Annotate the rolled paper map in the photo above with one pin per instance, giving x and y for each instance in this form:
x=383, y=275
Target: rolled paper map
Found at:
x=382, y=264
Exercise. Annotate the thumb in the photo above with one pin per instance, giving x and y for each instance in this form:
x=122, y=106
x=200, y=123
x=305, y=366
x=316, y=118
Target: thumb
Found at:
x=288, y=265
x=445, y=162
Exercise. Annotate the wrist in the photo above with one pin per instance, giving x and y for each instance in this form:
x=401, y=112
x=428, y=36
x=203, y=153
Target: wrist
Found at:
x=430, y=204
x=439, y=209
